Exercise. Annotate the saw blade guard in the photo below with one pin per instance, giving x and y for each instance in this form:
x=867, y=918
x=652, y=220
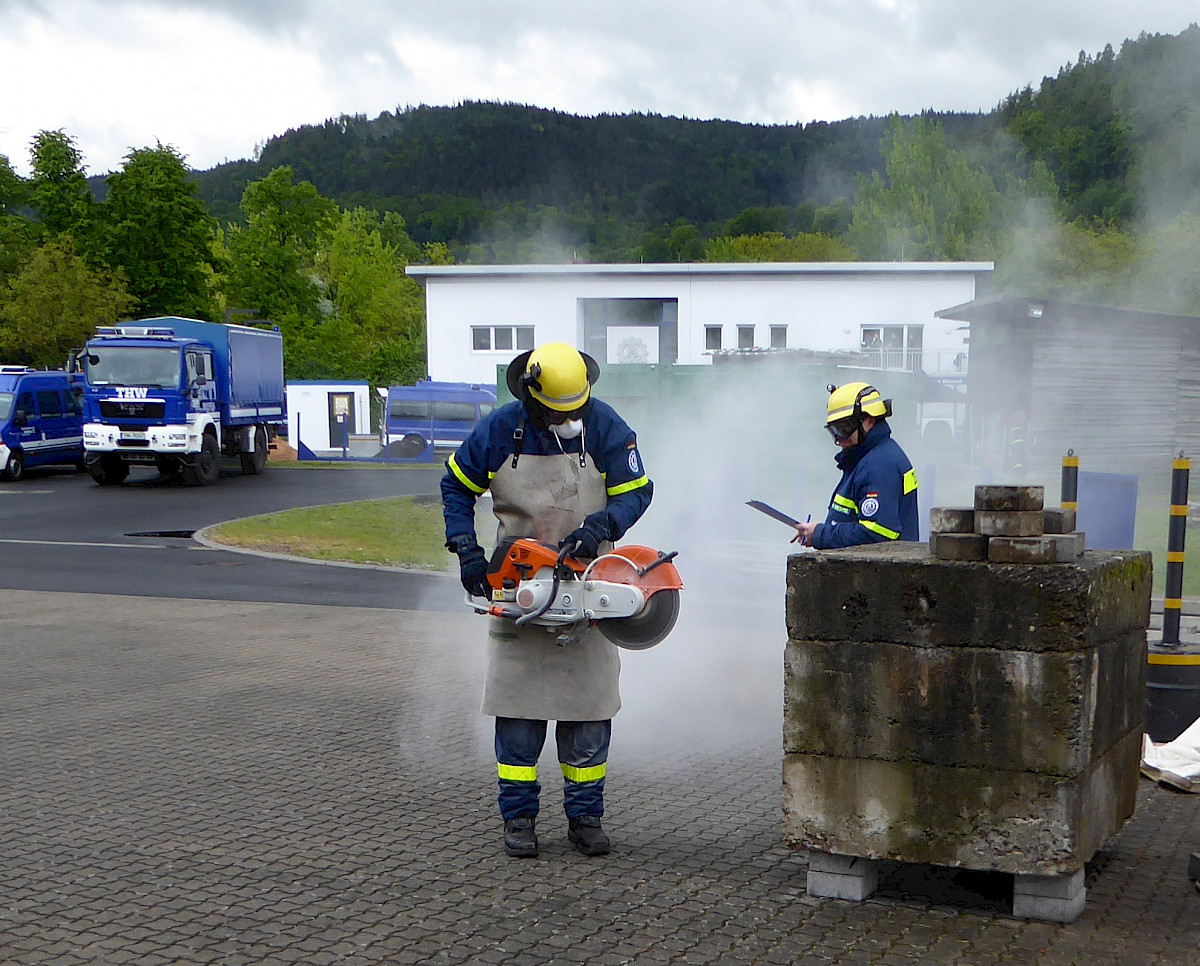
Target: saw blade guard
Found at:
x=653, y=573
x=644, y=567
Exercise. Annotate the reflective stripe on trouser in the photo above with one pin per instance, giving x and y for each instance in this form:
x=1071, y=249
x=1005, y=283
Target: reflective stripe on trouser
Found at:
x=582, y=755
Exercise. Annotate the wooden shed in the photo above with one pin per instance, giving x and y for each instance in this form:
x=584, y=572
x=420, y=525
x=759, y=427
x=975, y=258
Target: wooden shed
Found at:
x=1120, y=387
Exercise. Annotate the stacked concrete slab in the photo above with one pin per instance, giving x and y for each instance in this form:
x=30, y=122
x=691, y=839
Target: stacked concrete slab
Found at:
x=1007, y=524
x=962, y=713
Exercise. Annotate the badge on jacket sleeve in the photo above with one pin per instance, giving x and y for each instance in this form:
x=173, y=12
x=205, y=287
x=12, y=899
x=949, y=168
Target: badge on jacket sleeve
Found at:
x=633, y=462
x=870, y=506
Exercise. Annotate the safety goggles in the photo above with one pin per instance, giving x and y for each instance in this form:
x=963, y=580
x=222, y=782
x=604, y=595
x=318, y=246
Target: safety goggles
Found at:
x=842, y=429
x=554, y=417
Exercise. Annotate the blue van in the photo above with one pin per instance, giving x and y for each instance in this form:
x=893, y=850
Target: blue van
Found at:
x=41, y=420
x=441, y=414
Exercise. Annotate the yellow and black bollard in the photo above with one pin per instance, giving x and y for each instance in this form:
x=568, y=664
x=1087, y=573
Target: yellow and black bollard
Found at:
x=1173, y=668
x=1070, y=482
x=1173, y=598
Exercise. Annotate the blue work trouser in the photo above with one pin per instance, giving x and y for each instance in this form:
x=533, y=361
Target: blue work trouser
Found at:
x=582, y=754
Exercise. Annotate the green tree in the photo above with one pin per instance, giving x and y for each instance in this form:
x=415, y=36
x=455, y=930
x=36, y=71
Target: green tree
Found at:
x=677, y=242
x=272, y=260
x=378, y=311
x=55, y=303
x=18, y=235
x=58, y=188
x=159, y=233
x=774, y=246
x=1045, y=256
x=933, y=205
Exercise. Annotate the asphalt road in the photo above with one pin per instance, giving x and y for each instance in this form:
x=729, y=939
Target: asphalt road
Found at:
x=59, y=531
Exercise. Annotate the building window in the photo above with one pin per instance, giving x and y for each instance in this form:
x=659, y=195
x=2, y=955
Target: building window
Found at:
x=502, y=338
x=745, y=337
x=712, y=337
x=893, y=346
x=779, y=337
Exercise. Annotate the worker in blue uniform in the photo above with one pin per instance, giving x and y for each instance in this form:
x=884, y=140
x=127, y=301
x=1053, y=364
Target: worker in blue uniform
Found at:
x=563, y=468
x=876, y=499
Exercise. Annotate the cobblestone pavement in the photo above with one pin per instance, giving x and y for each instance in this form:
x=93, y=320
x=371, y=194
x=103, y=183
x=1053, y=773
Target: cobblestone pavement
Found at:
x=198, y=782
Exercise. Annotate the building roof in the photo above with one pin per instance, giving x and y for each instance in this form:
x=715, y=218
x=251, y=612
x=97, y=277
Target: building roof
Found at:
x=698, y=269
x=1007, y=307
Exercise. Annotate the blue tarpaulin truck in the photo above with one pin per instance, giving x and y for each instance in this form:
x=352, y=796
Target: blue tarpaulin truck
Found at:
x=178, y=394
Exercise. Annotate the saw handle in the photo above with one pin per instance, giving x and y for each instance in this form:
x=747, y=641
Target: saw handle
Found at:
x=662, y=559
x=525, y=619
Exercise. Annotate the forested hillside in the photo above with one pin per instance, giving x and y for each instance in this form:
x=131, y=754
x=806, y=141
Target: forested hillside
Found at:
x=502, y=173
x=505, y=181
x=1084, y=186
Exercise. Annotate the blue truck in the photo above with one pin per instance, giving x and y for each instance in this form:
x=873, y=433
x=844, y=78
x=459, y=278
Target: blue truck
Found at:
x=178, y=395
x=41, y=420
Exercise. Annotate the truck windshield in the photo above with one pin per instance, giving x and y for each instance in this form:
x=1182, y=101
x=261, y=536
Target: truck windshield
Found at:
x=6, y=399
x=132, y=366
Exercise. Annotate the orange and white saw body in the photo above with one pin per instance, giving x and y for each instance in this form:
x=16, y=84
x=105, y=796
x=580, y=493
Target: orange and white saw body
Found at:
x=631, y=593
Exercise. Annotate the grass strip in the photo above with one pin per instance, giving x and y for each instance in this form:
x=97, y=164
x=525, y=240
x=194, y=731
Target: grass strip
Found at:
x=395, y=532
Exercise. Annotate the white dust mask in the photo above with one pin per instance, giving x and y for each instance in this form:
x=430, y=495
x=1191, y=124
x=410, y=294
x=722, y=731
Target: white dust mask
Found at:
x=569, y=429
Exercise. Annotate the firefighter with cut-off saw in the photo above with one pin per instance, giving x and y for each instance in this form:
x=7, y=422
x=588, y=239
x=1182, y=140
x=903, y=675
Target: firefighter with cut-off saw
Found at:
x=876, y=499
x=563, y=468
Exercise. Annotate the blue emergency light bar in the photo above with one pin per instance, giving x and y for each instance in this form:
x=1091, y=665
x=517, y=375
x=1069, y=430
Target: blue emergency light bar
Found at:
x=140, y=331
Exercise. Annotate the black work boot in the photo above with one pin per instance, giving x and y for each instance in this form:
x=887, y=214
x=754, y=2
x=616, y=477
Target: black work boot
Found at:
x=519, y=837
x=587, y=835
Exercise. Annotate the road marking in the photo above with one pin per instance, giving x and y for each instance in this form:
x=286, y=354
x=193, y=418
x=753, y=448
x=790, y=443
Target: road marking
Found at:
x=21, y=492
x=73, y=543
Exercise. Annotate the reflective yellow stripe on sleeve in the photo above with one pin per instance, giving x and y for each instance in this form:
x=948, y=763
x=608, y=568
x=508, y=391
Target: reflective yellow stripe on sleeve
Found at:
x=846, y=502
x=626, y=487
x=593, y=774
x=882, y=531
x=516, y=773
x=910, y=481
x=462, y=477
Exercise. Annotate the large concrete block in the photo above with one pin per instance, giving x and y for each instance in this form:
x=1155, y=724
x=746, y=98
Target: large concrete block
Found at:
x=975, y=818
x=1051, y=712
x=898, y=592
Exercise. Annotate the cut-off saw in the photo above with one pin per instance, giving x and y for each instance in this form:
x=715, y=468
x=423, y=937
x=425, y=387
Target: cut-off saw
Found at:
x=631, y=593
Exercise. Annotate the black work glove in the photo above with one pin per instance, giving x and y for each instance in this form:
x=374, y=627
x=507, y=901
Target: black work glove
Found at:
x=472, y=569
x=585, y=541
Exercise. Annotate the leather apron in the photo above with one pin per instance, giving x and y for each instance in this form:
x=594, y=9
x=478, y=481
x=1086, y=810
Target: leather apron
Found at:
x=529, y=674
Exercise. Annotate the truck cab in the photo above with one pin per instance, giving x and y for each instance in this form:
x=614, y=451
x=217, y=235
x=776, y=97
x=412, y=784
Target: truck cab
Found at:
x=41, y=420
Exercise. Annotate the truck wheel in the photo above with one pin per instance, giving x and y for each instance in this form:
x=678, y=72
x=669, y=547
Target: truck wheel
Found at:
x=108, y=471
x=205, y=468
x=254, y=463
x=14, y=469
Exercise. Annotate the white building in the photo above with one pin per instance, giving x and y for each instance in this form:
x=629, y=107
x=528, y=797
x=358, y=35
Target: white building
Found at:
x=481, y=315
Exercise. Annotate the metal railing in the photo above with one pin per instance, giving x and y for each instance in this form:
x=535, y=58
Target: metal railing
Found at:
x=936, y=362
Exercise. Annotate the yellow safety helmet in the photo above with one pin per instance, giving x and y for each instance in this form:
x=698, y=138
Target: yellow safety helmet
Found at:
x=855, y=400
x=557, y=375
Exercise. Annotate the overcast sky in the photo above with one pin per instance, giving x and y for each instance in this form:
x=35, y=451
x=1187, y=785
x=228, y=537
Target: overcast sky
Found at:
x=214, y=77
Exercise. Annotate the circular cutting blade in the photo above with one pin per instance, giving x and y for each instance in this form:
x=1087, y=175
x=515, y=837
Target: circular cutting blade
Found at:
x=647, y=628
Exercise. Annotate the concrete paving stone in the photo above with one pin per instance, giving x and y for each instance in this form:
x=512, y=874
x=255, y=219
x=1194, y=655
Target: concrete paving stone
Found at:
x=217, y=789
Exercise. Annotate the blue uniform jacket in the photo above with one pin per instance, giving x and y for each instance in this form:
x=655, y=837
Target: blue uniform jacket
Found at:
x=611, y=445
x=876, y=499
